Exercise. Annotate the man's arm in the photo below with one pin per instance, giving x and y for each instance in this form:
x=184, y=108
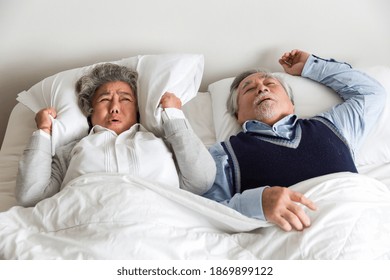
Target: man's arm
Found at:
x=363, y=97
x=247, y=203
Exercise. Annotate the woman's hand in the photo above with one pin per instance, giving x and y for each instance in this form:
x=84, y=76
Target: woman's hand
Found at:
x=43, y=120
x=169, y=100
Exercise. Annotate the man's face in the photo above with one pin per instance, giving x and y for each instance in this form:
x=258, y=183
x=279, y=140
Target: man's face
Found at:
x=114, y=106
x=262, y=98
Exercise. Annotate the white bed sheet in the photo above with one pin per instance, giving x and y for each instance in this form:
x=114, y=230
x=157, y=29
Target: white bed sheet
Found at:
x=116, y=216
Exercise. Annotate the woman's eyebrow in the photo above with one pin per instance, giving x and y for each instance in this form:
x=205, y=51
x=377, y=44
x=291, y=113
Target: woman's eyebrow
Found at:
x=104, y=93
x=124, y=93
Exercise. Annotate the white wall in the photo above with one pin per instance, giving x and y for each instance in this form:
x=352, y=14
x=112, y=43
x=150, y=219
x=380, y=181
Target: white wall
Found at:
x=41, y=37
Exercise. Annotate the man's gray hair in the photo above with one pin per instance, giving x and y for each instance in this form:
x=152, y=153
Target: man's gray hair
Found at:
x=98, y=76
x=232, y=102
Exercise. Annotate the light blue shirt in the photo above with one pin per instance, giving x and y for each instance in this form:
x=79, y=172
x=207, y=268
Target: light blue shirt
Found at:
x=363, y=102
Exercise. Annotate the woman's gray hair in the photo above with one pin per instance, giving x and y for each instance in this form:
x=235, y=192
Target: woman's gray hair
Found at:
x=232, y=102
x=99, y=75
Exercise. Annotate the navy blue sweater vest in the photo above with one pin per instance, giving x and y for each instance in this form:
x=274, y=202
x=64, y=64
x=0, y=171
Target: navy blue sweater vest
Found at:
x=316, y=149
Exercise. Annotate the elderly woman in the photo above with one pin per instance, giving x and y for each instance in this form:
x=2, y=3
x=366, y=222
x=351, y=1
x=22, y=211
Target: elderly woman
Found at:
x=116, y=143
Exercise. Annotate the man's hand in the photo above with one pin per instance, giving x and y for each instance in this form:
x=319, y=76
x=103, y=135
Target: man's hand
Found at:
x=280, y=207
x=43, y=120
x=169, y=100
x=294, y=61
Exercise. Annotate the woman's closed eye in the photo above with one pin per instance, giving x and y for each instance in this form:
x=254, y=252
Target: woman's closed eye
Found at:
x=104, y=99
x=126, y=99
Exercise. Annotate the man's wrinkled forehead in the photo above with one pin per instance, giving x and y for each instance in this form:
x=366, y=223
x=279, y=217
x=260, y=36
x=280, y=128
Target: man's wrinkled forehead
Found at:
x=251, y=78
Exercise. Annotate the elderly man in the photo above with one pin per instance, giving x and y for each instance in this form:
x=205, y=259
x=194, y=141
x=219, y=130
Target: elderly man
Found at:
x=277, y=149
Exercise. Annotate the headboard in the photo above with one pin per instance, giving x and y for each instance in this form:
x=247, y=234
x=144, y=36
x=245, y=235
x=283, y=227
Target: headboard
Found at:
x=40, y=38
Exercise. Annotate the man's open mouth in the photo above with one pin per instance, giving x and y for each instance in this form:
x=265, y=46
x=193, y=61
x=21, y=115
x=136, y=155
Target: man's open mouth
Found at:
x=259, y=101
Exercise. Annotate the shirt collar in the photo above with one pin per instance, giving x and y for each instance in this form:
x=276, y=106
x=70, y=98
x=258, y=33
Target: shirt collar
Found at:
x=132, y=130
x=283, y=128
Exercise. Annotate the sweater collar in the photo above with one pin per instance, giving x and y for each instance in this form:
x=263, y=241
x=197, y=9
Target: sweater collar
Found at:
x=283, y=128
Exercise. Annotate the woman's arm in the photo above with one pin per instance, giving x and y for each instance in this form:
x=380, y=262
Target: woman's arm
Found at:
x=195, y=164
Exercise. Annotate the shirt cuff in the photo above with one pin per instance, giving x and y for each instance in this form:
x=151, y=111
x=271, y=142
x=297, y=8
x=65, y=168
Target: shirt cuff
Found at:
x=172, y=114
x=39, y=140
x=40, y=132
x=314, y=67
x=251, y=203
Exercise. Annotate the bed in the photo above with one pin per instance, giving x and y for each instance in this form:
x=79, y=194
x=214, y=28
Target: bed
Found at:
x=117, y=216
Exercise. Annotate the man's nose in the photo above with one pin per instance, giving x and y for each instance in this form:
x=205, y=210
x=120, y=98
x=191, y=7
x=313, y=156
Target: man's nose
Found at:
x=262, y=89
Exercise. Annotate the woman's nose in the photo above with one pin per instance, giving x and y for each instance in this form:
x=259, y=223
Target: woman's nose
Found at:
x=114, y=108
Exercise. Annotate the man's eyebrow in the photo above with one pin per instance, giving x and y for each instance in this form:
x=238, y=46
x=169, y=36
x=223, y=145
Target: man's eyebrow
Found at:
x=246, y=84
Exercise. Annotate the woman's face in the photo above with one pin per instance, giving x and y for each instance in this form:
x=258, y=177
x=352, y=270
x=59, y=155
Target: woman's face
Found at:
x=114, y=107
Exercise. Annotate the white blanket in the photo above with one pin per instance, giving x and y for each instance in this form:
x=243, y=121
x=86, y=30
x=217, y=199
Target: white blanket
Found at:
x=103, y=216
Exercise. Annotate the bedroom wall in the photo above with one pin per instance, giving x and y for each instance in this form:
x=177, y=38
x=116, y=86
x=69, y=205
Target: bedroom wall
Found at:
x=40, y=38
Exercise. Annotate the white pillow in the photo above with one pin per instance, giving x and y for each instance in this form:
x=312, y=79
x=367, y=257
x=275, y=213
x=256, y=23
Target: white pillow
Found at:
x=375, y=148
x=310, y=99
x=199, y=113
x=178, y=73
x=224, y=123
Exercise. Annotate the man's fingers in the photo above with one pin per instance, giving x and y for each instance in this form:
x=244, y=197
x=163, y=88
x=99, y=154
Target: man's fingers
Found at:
x=297, y=209
x=290, y=217
x=300, y=215
x=300, y=198
x=281, y=222
x=294, y=220
x=288, y=221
